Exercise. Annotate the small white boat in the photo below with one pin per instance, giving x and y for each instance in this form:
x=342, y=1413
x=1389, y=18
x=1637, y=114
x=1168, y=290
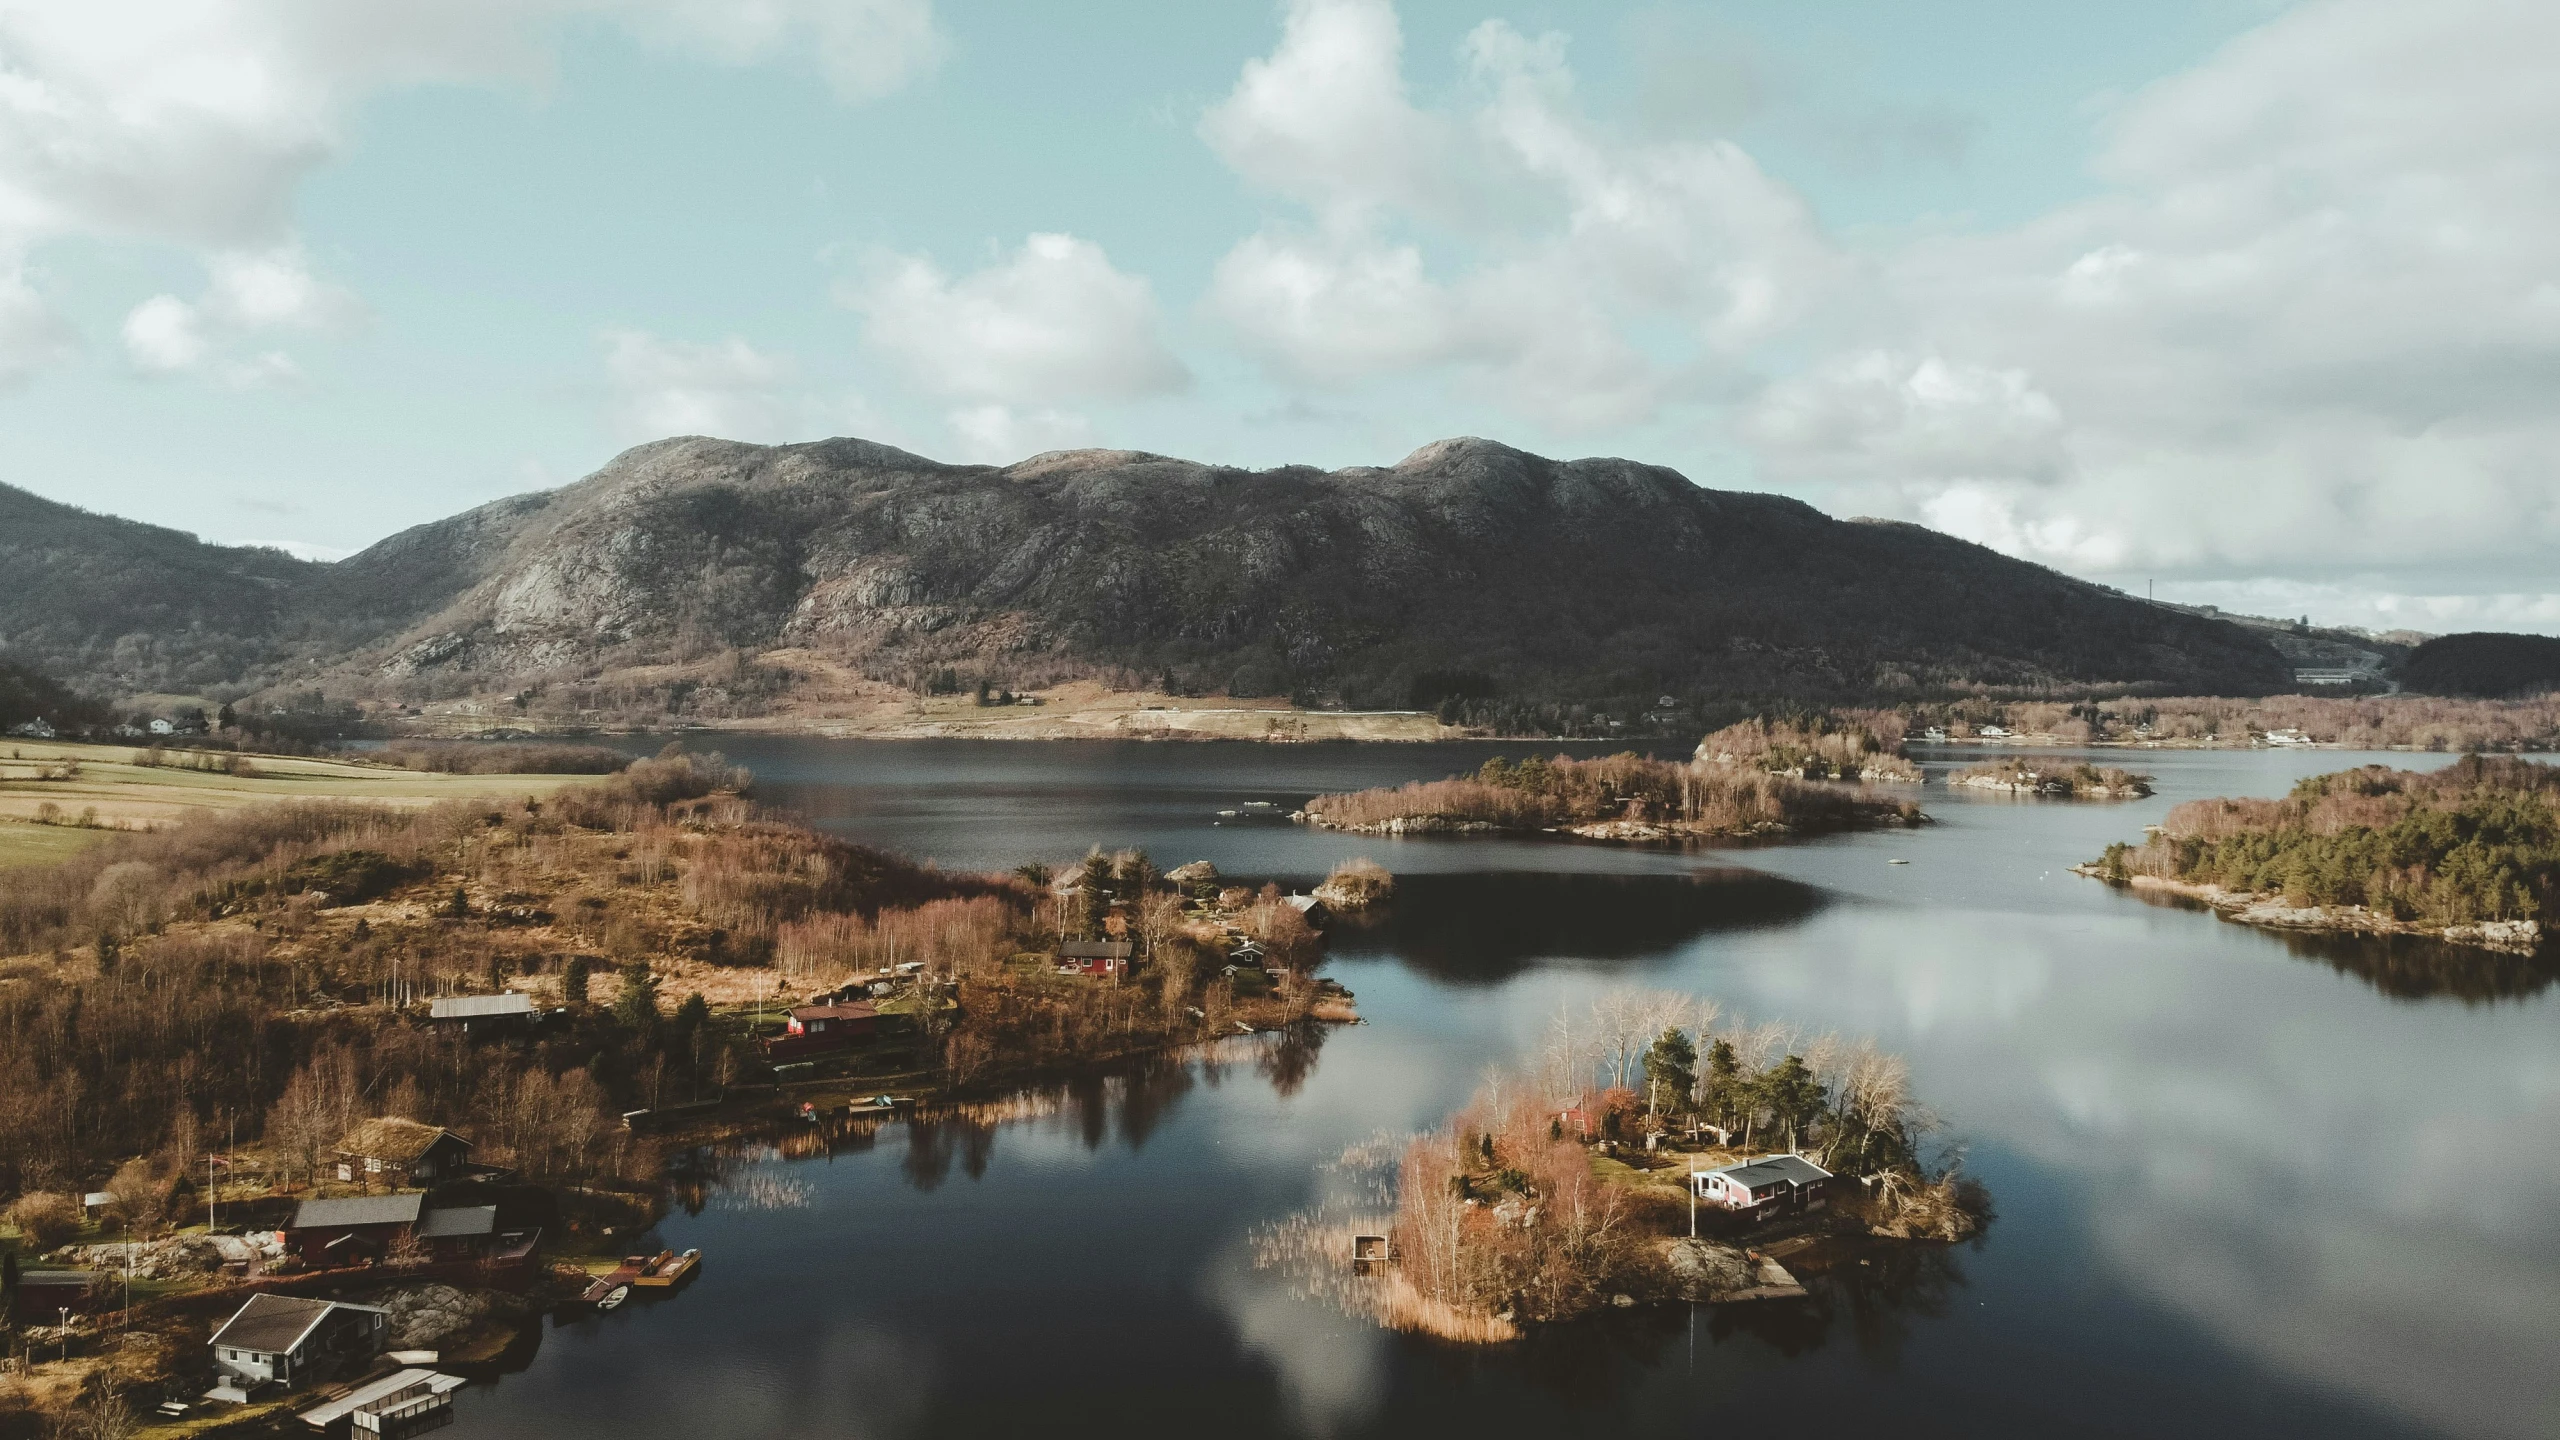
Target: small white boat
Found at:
x=613, y=1297
x=1897, y=862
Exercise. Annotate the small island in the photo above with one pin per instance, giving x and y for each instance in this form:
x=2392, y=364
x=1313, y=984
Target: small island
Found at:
x=2469, y=854
x=2077, y=782
x=1624, y=797
x=1652, y=1156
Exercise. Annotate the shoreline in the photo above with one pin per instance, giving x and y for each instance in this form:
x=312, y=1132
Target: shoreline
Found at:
x=2269, y=912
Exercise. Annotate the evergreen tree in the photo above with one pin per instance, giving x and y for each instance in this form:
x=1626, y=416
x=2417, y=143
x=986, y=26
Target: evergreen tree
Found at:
x=573, y=981
x=1724, y=1082
x=637, y=1006
x=1670, y=1069
x=1795, y=1099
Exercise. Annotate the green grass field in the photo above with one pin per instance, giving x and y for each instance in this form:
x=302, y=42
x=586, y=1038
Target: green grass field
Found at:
x=97, y=790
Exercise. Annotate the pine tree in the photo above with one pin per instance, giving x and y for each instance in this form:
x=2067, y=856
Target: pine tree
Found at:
x=1670, y=1069
x=573, y=981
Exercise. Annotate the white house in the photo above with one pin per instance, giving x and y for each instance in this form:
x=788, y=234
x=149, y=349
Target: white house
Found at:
x=163, y=727
x=1766, y=1186
x=36, y=729
x=287, y=1340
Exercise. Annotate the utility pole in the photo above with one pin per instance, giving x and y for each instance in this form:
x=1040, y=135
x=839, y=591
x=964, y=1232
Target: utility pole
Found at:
x=1693, y=1199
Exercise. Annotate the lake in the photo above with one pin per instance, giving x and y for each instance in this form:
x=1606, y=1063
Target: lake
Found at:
x=2246, y=1185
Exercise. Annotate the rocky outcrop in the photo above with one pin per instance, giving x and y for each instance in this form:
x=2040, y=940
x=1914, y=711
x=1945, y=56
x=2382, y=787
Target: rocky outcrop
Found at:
x=176, y=1256
x=426, y=1316
x=1705, y=1272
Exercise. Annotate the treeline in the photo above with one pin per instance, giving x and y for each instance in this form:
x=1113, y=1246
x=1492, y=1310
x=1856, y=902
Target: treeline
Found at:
x=1539, y=792
x=2478, y=840
x=498, y=757
x=2374, y=722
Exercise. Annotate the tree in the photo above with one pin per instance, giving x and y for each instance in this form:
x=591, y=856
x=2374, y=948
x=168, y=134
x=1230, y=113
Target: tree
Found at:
x=1719, y=1090
x=637, y=1006
x=1793, y=1096
x=226, y=719
x=573, y=981
x=459, y=905
x=1093, y=893
x=1670, y=1070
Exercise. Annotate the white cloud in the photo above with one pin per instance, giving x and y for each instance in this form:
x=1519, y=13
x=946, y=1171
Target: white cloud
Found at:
x=164, y=335
x=1053, y=322
x=2310, y=330
x=1597, y=275
x=729, y=390
x=192, y=123
x=250, y=292
x=1000, y=435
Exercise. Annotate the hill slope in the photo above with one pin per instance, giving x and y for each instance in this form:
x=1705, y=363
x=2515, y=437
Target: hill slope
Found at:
x=2484, y=663
x=1467, y=569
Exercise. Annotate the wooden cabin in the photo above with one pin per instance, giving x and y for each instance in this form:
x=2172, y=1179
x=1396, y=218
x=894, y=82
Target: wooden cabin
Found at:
x=1095, y=957
x=360, y=1230
x=820, y=1029
x=401, y=1154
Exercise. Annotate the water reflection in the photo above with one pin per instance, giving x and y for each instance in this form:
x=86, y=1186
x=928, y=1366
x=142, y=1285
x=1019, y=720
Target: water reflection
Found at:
x=2241, y=1193
x=1483, y=929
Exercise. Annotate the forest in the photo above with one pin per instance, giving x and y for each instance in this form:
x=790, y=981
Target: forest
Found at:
x=2478, y=840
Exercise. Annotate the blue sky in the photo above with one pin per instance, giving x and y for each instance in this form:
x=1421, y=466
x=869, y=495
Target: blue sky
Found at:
x=2256, y=299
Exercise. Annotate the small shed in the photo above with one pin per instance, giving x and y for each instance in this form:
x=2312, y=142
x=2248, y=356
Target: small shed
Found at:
x=459, y=1232
x=400, y=1152
x=1773, y=1185
x=288, y=1340
x=1096, y=957
x=514, y=1007
x=42, y=1295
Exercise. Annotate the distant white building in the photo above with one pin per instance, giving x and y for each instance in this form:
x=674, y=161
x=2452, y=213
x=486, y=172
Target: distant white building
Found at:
x=36, y=729
x=163, y=727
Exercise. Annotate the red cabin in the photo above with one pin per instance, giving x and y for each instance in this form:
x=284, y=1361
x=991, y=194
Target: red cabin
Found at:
x=819, y=1029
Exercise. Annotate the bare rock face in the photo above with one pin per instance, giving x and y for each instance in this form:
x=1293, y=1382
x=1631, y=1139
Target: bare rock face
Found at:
x=1468, y=569
x=1705, y=1272
x=425, y=1316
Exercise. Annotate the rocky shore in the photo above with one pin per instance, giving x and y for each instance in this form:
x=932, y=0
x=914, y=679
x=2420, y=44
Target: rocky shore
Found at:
x=2513, y=937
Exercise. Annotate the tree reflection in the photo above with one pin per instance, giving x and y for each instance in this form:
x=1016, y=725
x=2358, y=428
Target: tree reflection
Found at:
x=1482, y=929
x=2408, y=967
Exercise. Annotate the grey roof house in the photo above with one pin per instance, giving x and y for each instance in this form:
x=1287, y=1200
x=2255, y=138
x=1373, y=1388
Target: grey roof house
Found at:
x=287, y=1340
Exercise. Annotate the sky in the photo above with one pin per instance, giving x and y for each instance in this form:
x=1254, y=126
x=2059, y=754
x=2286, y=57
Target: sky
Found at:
x=2253, y=303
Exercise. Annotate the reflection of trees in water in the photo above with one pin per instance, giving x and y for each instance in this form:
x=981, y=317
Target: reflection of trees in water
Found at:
x=1873, y=1306
x=1485, y=928
x=1129, y=1101
x=2406, y=967
x=1288, y=1062
x=2410, y=968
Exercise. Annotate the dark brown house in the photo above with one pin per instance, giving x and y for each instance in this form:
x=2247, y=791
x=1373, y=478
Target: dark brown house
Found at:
x=401, y=1154
x=819, y=1029
x=360, y=1230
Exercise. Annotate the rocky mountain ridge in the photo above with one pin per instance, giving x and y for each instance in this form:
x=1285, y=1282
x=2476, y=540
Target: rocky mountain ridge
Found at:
x=1468, y=571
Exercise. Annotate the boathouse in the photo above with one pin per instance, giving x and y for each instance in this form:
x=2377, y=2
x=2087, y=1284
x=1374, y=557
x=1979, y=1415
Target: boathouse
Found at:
x=401, y=1153
x=288, y=1340
x=1777, y=1184
x=482, y=1012
x=329, y=1233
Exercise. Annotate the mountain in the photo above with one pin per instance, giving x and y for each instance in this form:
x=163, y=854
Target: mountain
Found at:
x=2484, y=663
x=1468, y=569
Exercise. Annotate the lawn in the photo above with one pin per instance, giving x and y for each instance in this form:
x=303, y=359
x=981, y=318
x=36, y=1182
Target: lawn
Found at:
x=95, y=790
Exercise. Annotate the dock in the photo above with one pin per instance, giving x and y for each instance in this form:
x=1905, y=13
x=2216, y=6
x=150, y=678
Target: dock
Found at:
x=401, y=1403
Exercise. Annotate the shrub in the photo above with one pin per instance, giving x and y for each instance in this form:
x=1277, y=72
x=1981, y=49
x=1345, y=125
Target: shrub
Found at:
x=46, y=1219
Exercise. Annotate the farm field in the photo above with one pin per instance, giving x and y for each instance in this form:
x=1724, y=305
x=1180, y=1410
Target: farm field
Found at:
x=58, y=797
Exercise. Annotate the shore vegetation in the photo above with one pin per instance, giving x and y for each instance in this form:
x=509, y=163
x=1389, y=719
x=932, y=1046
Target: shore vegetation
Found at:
x=2083, y=781
x=2471, y=851
x=1624, y=796
x=1834, y=745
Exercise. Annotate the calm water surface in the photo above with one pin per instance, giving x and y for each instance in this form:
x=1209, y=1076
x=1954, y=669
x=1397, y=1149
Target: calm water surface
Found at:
x=2246, y=1185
